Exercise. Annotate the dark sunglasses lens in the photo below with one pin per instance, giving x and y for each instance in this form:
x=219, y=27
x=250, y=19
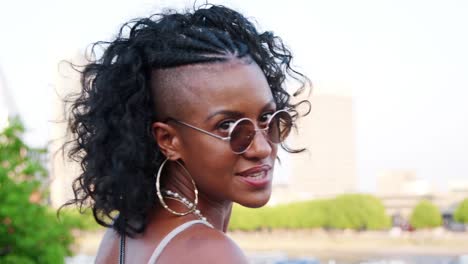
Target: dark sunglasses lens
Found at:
x=242, y=136
x=279, y=127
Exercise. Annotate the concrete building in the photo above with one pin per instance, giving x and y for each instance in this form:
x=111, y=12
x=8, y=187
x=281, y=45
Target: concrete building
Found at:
x=402, y=182
x=458, y=187
x=401, y=190
x=328, y=167
x=404, y=204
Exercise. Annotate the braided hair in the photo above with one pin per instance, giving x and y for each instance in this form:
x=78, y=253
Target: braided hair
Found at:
x=110, y=117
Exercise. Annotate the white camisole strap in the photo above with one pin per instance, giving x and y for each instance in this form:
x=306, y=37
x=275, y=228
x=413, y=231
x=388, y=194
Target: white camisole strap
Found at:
x=158, y=250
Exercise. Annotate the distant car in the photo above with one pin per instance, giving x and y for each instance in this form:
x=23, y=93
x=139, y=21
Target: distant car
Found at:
x=455, y=227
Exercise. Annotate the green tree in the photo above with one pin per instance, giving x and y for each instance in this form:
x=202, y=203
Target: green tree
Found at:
x=425, y=215
x=29, y=231
x=357, y=211
x=461, y=213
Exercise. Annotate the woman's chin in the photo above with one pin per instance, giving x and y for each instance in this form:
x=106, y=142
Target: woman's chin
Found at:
x=256, y=201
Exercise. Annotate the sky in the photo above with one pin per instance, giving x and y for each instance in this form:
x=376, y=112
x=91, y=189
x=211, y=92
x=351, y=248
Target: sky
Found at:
x=405, y=64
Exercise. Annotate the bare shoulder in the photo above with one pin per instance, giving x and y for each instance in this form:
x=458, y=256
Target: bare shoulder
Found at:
x=202, y=244
x=108, y=251
x=215, y=246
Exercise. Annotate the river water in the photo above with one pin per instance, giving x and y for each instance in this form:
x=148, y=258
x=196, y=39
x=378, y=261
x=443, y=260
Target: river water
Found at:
x=279, y=258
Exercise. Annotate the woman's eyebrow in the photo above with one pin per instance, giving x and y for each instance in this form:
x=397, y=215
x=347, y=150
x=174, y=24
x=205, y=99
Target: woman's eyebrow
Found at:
x=231, y=113
x=238, y=114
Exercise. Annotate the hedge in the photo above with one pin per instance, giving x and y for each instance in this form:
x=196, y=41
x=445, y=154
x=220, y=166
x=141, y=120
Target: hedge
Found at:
x=354, y=211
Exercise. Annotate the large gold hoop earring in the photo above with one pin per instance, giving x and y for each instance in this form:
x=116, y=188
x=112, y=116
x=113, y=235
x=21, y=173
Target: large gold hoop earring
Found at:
x=175, y=196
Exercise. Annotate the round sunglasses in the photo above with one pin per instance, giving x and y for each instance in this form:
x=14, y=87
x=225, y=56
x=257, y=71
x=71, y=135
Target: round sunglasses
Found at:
x=243, y=131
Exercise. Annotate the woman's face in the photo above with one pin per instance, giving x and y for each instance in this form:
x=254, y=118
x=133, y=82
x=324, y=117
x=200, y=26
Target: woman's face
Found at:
x=212, y=97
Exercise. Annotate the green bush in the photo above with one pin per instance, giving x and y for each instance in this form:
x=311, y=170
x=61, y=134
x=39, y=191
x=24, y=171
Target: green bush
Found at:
x=347, y=211
x=29, y=231
x=309, y=214
x=425, y=215
x=243, y=218
x=73, y=219
x=461, y=213
x=357, y=211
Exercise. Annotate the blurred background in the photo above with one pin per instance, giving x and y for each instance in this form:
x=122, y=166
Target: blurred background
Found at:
x=385, y=176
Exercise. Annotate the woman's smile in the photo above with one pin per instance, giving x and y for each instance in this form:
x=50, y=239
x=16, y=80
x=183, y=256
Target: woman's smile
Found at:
x=257, y=176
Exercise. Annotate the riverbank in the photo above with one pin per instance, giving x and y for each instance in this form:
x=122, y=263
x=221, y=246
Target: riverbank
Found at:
x=318, y=242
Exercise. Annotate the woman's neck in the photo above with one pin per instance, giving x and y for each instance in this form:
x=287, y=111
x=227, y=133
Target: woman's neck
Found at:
x=216, y=212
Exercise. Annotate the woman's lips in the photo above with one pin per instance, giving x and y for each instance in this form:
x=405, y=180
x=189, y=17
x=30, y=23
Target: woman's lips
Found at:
x=257, y=176
x=255, y=169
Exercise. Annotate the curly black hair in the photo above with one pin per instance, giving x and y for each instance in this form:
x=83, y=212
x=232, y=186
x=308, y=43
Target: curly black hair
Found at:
x=110, y=117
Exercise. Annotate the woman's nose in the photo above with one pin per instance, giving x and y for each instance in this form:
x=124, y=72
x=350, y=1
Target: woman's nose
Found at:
x=261, y=147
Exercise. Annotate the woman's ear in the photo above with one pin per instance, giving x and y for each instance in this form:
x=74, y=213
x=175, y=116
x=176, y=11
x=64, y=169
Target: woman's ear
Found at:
x=167, y=140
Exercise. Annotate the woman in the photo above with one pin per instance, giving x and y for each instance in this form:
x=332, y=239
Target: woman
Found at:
x=180, y=117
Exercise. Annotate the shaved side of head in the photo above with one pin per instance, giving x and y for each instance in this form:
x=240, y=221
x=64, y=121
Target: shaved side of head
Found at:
x=168, y=94
x=174, y=94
